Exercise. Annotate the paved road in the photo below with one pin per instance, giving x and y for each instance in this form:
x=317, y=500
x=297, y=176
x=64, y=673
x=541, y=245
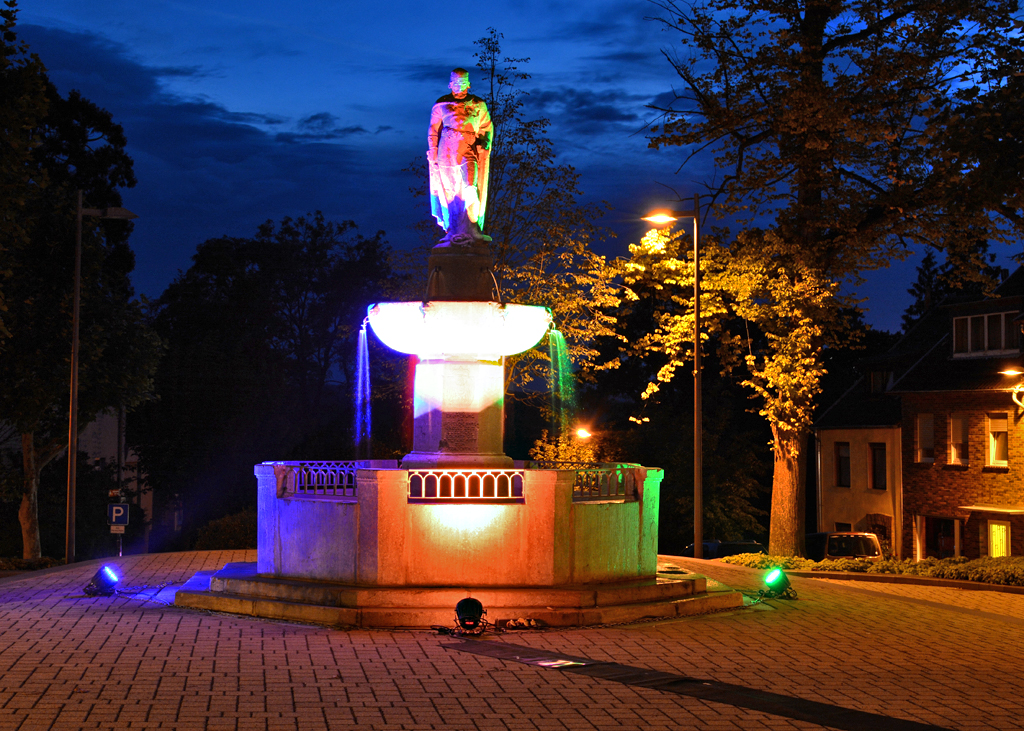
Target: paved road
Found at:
x=862, y=658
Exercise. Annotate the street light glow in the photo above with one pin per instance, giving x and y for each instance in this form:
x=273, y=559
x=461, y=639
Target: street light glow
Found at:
x=660, y=219
x=582, y=433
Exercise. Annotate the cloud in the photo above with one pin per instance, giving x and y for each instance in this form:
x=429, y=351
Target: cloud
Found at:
x=586, y=111
x=205, y=170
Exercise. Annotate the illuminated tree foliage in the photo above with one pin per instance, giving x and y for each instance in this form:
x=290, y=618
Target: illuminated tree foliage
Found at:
x=541, y=233
x=853, y=130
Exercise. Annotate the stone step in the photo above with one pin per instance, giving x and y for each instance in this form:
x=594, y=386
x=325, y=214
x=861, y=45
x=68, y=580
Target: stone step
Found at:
x=421, y=617
x=241, y=579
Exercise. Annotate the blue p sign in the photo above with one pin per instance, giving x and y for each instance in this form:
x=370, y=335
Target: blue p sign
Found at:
x=117, y=514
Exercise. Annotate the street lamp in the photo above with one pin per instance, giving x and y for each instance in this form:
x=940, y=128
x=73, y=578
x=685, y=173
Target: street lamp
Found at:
x=123, y=213
x=1015, y=394
x=661, y=218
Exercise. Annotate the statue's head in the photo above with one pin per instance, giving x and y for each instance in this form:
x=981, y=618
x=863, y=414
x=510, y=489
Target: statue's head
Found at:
x=459, y=83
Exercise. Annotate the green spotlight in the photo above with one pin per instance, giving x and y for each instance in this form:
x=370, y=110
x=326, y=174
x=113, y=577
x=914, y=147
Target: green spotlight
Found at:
x=778, y=586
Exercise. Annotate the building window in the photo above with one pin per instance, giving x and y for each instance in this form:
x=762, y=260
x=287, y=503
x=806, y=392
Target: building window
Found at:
x=998, y=538
x=879, y=381
x=842, y=464
x=998, y=440
x=984, y=334
x=844, y=527
x=877, y=466
x=958, y=439
x=925, y=437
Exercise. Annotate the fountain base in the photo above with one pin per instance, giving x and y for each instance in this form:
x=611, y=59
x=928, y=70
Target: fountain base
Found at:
x=239, y=589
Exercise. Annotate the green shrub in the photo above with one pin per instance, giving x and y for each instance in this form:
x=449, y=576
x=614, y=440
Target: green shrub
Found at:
x=1006, y=570
x=763, y=561
x=232, y=532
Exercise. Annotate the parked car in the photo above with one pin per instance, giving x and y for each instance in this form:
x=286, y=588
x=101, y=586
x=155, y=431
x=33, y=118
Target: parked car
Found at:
x=821, y=546
x=721, y=549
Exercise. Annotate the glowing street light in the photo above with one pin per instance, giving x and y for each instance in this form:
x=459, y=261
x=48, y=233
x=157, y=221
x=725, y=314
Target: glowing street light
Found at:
x=1015, y=394
x=661, y=218
x=123, y=213
x=582, y=433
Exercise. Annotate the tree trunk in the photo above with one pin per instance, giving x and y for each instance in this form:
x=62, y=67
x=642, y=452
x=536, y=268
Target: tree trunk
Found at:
x=786, y=533
x=28, y=513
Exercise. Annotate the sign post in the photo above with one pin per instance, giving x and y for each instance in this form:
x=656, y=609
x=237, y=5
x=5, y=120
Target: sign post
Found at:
x=117, y=519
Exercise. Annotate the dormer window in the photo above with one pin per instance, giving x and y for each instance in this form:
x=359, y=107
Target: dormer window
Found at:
x=992, y=334
x=880, y=381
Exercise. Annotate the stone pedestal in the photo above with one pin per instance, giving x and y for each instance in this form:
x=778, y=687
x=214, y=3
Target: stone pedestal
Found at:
x=458, y=414
x=460, y=274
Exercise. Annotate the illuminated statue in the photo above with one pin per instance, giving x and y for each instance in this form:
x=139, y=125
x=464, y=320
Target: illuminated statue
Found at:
x=458, y=155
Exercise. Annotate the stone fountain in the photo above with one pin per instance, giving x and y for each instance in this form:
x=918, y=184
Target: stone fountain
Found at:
x=380, y=544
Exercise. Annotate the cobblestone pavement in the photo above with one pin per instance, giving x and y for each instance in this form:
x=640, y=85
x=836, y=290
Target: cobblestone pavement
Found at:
x=936, y=656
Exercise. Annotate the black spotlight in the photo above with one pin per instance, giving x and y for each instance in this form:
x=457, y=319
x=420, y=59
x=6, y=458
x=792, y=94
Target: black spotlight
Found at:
x=103, y=583
x=469, y=613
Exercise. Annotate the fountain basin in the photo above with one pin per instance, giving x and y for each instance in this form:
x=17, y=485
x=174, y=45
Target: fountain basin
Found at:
x=483, y=330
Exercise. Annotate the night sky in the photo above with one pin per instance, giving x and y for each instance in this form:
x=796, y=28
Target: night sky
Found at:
x=239, y=111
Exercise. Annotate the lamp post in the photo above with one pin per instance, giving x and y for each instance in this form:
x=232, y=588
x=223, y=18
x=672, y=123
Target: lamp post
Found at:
x=662, y=218
x=1017, y=390
x=124, y=213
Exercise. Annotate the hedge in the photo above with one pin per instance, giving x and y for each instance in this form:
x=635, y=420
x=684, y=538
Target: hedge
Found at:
x=1006, y=570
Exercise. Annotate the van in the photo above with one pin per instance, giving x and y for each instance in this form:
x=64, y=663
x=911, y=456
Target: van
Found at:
x=721, y=549
x=821, y=546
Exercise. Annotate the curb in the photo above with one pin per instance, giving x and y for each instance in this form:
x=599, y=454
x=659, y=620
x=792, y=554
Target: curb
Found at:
x=908, y=579
x=865, y=577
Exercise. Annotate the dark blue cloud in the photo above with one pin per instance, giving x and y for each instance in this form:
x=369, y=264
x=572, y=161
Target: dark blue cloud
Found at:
x=206, y=171
x=586, y=111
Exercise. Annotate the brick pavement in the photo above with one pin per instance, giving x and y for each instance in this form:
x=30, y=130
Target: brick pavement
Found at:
x=938, y=656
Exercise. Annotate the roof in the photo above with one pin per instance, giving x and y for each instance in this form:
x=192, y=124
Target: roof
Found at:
x=858, y=409
x=922, y=361
x=938, y=370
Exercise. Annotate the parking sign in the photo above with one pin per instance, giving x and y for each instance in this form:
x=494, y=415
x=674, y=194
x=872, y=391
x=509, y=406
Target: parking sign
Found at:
x=117, y=514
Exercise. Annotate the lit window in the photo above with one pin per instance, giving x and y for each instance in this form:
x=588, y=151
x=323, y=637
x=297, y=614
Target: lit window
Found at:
x=877, y=466
x=998, y=538
x=958, y=439
x=842, y=464
x=985, y=334
x=998, y=440
x=925, y=437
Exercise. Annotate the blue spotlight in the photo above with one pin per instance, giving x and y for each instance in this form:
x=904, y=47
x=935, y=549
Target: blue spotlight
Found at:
x=103, y=583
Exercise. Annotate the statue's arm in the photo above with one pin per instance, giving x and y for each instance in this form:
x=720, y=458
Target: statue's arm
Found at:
x=434, y=133
x=486, y=133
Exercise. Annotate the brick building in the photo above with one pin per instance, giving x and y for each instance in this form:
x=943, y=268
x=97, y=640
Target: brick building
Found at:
x=927, y=450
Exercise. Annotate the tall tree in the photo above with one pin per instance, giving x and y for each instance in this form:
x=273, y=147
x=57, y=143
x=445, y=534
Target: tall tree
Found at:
x=261, y=335
x=79, y=148
x=928, y=290
x=830, y=121
x=22, y=106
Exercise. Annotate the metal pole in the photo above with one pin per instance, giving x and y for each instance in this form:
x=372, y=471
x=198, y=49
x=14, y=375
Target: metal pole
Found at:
x=69, y=535
x=698, y=420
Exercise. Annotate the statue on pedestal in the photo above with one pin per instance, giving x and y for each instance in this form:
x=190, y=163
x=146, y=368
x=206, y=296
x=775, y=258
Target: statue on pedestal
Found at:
x=458, y=157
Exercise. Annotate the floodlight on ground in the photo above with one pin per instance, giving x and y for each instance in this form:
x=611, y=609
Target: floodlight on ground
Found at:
x=103, y=583
x=778, y=585
x=469, y=613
